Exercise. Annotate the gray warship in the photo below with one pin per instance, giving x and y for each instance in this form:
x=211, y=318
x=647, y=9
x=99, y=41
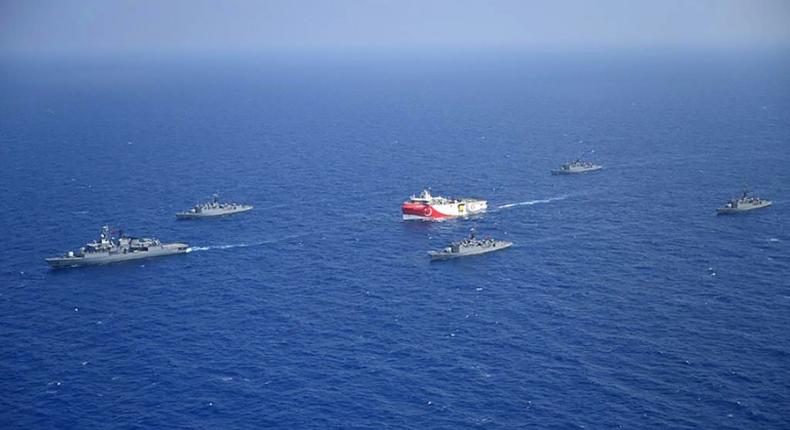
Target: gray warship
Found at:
x=577, y=166
x=213, y=209
x=468, y=247
x=108, y=249
x=744, y=203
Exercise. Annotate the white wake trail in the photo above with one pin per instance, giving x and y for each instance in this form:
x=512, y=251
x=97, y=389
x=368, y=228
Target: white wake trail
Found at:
x=235, y=245
x=532, y=202
x=244, y=245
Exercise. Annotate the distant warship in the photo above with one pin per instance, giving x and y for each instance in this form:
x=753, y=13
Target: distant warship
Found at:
x=108, y=249
x=577, y=166
x=744, y=204
x=213, y=209
x=468, y=247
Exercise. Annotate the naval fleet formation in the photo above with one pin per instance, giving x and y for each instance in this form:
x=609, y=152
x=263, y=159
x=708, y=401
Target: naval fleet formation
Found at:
x=109, y=248
x=114, y=246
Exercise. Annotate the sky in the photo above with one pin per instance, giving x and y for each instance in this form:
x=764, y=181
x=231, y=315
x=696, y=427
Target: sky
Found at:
x=194, y=26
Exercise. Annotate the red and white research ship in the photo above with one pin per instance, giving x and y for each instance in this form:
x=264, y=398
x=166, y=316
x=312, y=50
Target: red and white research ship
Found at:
x=429, y=208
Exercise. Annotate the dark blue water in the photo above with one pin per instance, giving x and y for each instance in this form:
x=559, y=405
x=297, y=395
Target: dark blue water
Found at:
x=625, y=303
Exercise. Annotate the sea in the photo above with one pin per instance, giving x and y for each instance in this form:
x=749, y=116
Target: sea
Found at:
x=625, y=302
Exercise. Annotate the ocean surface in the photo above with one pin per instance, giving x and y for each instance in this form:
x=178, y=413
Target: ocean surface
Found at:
x=625, y=302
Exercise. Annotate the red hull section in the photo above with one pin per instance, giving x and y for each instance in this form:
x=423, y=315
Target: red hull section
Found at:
x=422, y=210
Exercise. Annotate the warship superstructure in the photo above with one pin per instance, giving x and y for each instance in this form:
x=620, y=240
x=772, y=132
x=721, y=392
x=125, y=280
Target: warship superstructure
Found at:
x=744, y=203
x=429, y=207
x=214, y=208
x=109, y=249
x=468, y=247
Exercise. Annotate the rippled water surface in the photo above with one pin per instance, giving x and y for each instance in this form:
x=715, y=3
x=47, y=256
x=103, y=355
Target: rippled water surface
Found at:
x=625, y=302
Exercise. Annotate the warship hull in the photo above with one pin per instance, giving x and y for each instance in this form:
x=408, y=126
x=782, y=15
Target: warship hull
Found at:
x=109, y=258
x=443, y=255
x=576, y=171
x=743, y=208
x=212, y=213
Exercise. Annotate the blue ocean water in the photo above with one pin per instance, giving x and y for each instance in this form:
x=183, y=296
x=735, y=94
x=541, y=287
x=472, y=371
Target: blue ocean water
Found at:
x=625, y=303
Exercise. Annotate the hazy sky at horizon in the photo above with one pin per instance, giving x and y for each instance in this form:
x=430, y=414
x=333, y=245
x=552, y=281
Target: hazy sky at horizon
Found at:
x=101, y=27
